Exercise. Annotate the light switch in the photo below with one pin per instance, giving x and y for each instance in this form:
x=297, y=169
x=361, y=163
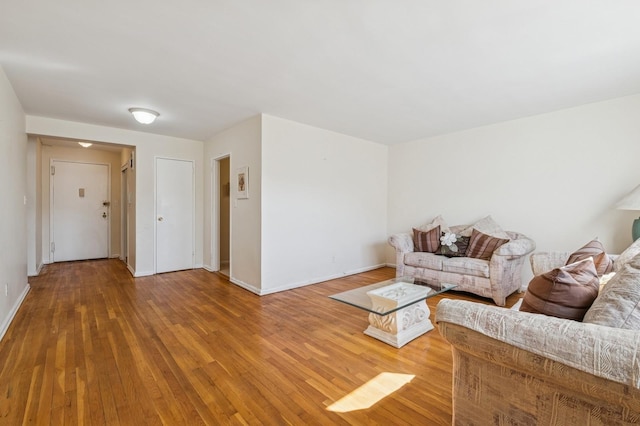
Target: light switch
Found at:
x=81, y=192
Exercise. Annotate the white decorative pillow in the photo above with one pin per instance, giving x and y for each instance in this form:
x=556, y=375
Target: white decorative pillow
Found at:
x=489, y=227
x=438, y=221
x=603, y=280
x=626, y=256
x=618, y=304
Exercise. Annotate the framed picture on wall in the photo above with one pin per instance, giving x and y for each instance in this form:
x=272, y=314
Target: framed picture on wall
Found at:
x=242, y=189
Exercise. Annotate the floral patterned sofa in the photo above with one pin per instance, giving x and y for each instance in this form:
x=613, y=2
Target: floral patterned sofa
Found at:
x=521, y=368
x=495, y=274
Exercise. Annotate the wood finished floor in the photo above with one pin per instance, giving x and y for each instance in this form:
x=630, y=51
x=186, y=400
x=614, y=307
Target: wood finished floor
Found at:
x=92, y=345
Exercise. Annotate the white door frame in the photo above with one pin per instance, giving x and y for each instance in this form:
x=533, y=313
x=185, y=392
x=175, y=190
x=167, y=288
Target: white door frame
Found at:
x=51, y=181
x=215, y=214
x=155, y=209
x=124, y=214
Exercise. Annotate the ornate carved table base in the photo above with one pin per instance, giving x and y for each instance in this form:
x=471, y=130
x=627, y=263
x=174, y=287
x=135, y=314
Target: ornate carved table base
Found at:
x=402, y=326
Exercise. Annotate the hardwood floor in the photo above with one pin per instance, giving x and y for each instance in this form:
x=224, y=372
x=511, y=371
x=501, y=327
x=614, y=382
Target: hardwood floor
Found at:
x=92, y=345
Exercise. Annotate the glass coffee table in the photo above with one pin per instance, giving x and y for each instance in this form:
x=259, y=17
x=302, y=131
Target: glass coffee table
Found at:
x=398, y=312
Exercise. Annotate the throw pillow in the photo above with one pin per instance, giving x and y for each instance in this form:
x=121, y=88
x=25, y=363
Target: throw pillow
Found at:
x=618, y=304
x=453, y=245
x=595, y=249
x=488, y=226
x=565, y=292
x=437, y=221
x=426, y=241
x=482, y=246
x=626, y=256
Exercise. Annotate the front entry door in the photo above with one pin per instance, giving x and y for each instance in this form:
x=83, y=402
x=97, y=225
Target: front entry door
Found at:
x=80, y=211
x=174, y=215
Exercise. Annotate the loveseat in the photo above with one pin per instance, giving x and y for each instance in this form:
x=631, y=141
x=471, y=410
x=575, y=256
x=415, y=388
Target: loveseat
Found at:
x=495, y=278
x=522, y=368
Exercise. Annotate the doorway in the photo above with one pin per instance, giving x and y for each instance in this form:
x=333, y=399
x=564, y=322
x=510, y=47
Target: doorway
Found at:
x=80, y=210
x=124, y=215
x=225, y=210
x=175, y=214
x=221, y=215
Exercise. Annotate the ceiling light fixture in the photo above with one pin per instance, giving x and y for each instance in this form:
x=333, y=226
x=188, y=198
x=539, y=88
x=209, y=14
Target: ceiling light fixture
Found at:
x=85, y=144
x=144, y=116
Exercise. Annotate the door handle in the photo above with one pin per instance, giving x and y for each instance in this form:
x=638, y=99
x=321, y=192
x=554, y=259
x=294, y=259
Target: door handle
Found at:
x=160, y=218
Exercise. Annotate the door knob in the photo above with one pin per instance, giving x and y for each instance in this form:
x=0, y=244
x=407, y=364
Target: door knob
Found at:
x=160, y=218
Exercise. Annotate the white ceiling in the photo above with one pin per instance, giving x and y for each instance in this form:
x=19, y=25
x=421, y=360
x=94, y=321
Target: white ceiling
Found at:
x=384, y=70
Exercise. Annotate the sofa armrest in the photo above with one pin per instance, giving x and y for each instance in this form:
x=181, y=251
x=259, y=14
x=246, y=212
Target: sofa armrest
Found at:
x=402, y=242
x=605, y=352
x=516, y=248
x=545, y=261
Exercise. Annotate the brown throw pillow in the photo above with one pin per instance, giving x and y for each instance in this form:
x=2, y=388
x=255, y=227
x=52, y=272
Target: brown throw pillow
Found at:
x=426, y=241
x=594, y=249
x=482, y=246
x=453, y=245
x=565, y=292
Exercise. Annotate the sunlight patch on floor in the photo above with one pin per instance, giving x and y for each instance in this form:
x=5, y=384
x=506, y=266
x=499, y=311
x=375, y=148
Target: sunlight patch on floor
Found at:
x=374, y=390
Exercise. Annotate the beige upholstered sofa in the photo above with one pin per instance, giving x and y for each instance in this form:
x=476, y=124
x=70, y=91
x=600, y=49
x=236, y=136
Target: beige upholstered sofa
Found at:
x=518, y=368
x=496, y=278
x=521, y=368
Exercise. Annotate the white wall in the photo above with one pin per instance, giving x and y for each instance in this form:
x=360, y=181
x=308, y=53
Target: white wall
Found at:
x=87, y=155
x=13, y=211
x=554, y=177
x=324, y=197
x=242, y=143
x=148, y=147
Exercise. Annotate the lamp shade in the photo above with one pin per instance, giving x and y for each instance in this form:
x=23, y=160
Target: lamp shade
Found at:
x=631, y=201
x=144, y=116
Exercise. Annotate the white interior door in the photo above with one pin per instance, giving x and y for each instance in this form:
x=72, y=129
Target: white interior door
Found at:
x=174, y=215
x=80, y=211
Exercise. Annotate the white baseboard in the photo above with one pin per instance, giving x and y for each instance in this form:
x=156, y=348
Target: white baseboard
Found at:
x=137, y=274
x=318, y=280
x=246, y=286
x=12, y=313
x=37, y=272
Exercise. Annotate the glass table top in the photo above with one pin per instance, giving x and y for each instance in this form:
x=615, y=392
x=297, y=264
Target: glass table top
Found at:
x=389, y=296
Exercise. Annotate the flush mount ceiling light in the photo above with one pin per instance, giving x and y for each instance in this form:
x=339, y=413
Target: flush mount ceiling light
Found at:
x=85, y=144
x=144, y=116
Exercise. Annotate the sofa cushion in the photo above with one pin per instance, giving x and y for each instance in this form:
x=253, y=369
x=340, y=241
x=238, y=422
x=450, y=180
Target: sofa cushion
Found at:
x=437, y=221
x=482, y=246
x=618, y=304
x=466, y=266
x=424, y=260
x=453, y=245
x=594, y=249
x=626, y=256
x=426, y=241
x=489, y=226
x=565, y=292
